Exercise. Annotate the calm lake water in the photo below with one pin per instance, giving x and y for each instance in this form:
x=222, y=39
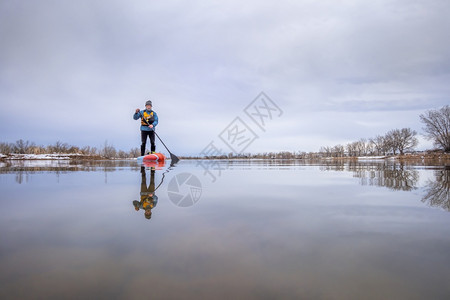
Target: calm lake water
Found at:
x=218, y=229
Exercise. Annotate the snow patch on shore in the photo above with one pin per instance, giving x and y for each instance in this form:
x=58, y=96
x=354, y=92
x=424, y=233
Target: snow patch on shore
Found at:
x=371, y=157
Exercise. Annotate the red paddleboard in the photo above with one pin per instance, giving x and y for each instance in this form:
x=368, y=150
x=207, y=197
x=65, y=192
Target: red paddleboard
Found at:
x=152, y=157
x=155, y=156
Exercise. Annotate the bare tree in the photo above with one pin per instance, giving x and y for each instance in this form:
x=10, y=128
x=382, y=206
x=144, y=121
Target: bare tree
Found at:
x=338, y=151
x=23, y=147
x=361, y=147
x=108, y=150
x=390, y=142
x=122, y=154
x=370, y=149
x=401, y=140
x=408, y=140
x=352, y=149
x=135, y=152
x=58, y=147
x=6, y=148
x=325, y=151
x=437, y=127
x=379, y=145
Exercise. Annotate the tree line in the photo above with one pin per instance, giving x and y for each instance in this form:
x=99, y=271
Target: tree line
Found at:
x=396, y=141
x=27, y=147
x=399, y=141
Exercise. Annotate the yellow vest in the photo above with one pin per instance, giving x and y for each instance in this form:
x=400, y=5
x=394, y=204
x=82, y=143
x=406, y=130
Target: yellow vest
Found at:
x=148, y=117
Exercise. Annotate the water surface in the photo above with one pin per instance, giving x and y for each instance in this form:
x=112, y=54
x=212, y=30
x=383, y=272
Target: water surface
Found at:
x=242, y=229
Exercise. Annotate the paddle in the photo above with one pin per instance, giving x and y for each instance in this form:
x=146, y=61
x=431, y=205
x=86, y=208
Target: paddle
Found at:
x=173, y=157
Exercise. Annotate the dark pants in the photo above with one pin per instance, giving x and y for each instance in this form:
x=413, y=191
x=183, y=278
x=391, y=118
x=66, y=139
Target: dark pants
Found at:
x=151, y=135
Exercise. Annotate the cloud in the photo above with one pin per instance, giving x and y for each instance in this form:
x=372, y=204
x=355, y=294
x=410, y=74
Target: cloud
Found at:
x=79, y=69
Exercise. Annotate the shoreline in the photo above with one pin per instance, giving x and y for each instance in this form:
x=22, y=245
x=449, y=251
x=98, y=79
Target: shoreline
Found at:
x=422, y=157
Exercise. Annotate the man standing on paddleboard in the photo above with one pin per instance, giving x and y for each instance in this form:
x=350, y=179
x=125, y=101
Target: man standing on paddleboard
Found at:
x=149, y=119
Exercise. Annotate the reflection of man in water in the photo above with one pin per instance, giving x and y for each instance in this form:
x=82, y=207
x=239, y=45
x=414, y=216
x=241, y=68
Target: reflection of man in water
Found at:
x=148, y=197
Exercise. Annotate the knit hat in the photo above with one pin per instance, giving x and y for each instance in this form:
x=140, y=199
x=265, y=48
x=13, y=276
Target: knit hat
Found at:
x=148, y=103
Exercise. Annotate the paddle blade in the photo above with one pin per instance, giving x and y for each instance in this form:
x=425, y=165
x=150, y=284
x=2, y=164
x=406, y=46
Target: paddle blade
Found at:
x=174, y=158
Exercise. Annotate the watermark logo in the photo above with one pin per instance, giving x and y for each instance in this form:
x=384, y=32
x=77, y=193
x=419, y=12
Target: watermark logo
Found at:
x=262, y=110
x=238, y=136
x=184, y=190
x=212, y=167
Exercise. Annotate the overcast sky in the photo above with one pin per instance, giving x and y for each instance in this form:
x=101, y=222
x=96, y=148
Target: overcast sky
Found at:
x=75, y=71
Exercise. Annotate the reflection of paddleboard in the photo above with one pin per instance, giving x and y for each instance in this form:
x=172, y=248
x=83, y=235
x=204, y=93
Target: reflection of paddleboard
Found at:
x=158, y=164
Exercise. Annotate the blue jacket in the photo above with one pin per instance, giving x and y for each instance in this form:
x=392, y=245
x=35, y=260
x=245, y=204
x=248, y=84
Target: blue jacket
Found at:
x=147, y=114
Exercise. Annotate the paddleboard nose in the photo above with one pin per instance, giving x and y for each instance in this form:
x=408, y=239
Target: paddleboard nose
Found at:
x=152, y=157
